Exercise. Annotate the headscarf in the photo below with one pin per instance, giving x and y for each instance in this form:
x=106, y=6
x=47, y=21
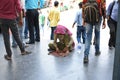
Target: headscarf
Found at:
x=60, y=29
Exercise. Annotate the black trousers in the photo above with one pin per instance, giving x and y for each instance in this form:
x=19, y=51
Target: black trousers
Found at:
x=112, y=24
x=32, y=16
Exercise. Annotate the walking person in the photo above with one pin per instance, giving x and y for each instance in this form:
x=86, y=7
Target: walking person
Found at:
x=20, y=28
x=20, y=31
x=42, y=21
x=8, y=15
x=32, y=16
x=54, y=17
x=91, y=21
x=80, y=27
x=112, y=19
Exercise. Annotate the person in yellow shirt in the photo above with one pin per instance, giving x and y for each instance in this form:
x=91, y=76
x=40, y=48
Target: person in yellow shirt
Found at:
x=54, y=17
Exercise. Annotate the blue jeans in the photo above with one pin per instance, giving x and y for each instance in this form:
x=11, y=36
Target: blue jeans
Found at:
x=89, y=29
x=81, y=31
x=26, y=28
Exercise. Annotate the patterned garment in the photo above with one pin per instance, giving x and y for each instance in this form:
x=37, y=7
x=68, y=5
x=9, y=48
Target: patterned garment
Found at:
x=62, y=44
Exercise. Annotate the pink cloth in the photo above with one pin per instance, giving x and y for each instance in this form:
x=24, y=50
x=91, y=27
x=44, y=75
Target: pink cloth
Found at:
x=9, y=9
x=60, y=29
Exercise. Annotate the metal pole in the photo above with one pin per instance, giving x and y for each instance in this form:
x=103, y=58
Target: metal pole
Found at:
x=116, y=68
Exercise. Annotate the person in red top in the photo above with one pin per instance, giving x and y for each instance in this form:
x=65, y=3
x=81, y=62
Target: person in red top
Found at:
x=89, y=29
x=9, y=11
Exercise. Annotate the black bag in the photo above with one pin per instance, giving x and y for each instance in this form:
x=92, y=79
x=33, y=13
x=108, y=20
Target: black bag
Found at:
x=91, y=12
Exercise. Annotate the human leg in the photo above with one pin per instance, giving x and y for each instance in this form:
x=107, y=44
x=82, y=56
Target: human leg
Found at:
x=14, y=44
x=36, y=23
x=52, y=33
x=97, y=37
x=26, y=29
x=30, y=19
x=78, y=34
x=89, y=30
x=5, y=31
x=15, y=32
x=83, y=34
x=112, y=26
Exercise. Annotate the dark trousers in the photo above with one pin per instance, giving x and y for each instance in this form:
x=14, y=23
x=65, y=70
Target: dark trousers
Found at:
x=112, y=26
x=7, y=25
x=32, y=16
x=52, y=33
x=81, y=31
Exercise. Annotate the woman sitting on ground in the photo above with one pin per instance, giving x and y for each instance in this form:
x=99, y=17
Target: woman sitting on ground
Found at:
x=63, y=42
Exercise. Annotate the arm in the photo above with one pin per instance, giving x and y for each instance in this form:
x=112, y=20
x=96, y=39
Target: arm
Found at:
x=103, y=9
x=76, y=18
x=20, y=19
x=19, y=11
x=55, y=42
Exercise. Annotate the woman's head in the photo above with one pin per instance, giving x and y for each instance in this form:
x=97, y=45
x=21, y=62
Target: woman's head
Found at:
x=60, y=29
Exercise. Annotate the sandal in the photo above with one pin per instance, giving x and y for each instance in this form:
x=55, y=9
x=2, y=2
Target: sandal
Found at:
x=7, y=57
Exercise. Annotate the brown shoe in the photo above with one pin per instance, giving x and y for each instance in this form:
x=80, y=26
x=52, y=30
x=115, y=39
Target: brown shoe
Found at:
x=25, y=53
x=26, y=45
x=7, y=57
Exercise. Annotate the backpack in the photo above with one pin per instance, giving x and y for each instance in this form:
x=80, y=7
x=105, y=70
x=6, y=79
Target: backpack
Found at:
x=91, y=12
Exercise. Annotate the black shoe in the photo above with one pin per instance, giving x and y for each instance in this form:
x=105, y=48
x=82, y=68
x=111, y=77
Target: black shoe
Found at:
x=86, y=60
x=97, y=53
x=110, y=47
x=94, y=43
x=7, y=57
x=37, y=40
x=29, y=42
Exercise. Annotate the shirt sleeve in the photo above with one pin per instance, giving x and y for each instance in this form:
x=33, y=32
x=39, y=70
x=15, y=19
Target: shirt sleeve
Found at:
x=76, y=17
x=108, y=9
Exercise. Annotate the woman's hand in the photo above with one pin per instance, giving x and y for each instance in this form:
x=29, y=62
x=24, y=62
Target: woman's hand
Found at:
x=65, y=49
x=57, y=50
x=20, y=22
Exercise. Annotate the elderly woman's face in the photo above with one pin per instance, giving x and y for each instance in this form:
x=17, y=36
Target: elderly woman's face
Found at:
x=61, y=36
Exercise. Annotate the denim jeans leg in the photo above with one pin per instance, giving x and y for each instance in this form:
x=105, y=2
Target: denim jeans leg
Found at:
x=26, y=28
x=89, y=30
x=13, y=41
x=97, y=36
x=78, y=34
x=83, y=34
x=21, y=32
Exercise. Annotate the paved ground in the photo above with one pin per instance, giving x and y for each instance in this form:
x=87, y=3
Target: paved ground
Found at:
x=41, y=66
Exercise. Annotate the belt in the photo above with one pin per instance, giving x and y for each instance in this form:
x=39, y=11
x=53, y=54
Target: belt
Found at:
x=31, y=9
